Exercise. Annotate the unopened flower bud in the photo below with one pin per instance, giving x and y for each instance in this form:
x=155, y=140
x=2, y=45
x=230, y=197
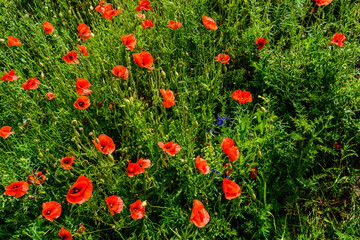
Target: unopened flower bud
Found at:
x=263, y=109
x=258, y=154
x=41, y=155
x=144, y=203
x=163, y=74
x=253, y=196
x=74, y=123
x=42, y=75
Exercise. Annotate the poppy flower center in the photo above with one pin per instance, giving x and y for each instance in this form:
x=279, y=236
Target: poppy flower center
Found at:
x=135, y=210
x=102, y=147
x=260, y=43
x=111, y=205
x=66, y=161
x=167, y=147
x=76, y=190
x=48, y=212
x=16, y=186
x=81, y=104
x=140, y=165
x=70, y=57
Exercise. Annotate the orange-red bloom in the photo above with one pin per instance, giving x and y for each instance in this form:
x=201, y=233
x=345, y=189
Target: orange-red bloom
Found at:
x=10, y=76
x=147, y=24
x=223, y=58
x=84, y=31
x=170, y=147
x=65, y=234
x=37, y=179
x=199, y=216
x=106, y=10
x=104, y=144
x=115, y=204
x=338, y=39
x=209, y=23
x=253, y=172
x=71, y=57
x=120, y=71
x=323, y=2
x=48, y=27
x=140, y=15
x=144, y=59
x=83, y=50
x=50, y=95
x=5, y=131
x=169, y=97
x=261, y=42
x=137, y=210
x=241, y=96
x=67, y=162
x=13, y=41
x=82, y=102
x=137, y=168
x=102, y=8
x=229, y=148
x=202, y=165
x=143, y=5
x=17, y=189
x=32, y=83
x=81, y=191
x=174, y=25
x=129, y=41
x=51, y=210
x=82, y=86
x=143, y=163
x=231, y=189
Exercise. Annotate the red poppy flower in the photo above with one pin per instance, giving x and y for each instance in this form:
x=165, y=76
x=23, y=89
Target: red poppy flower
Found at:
x=83, y=50
x=253, y=172
x=199, y=216
x=82, y=86
x=147, y=24
x=10, y=76
x=106, y=10
x=67, y=162
x=144, y=59
x=261, y=42
x=143, y=5
x=223, y=58
x=82, y=102
x=323, y=2
x=174, y=25
x=65, y=234
x=17, y=189
x=133, y=169
x=202, y=165
x=37, y=179
x=32, y=83
x=101, y=8
x=115, y=204
x=209, y=23
x=338, y=39
x=51, y=210
x=5, y=131
x=129, y=41
x=137, y=210
x=84, y=31
x=231, y=189
x=105, y=144
x=13, y=41
x=71, y=57
x=169, y=97
x=143, y=163
x=50, y=95
x=140, y=15
x=170, y=147
x=109, y=14
x=241, y=96
x=81, y=228
x=120, y=71
x=229, y=148
x=81, y=191
x=48, y=27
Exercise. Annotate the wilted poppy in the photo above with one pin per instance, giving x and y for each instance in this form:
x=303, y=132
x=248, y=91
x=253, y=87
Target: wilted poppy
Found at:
x=202, y=165
x=17, y=189
x=51, y=210
x=169, y=97
x=241, y=96
x=229, y=148
x=253, y=172
x=209, y=23
x=37, y=179
x=71, y=57
x=48, y=27
x=228, y=169
x=143, y=5
x=84, y=31
x=104, y=144
x=140, y=15
x=338, y=39
x=83, y=50
x=82, y=86
x=32, y=83
x=133, y=169
x=82, y=102
x=115, y=204
x=67, y=162
x=129, y=41
x=137, y=210
x=231, y=189
x=199, y=216
x=170, y=147
x=65, y=234
x=223, y=58
x=81, y=191
x=50, y=95
x=81, y=228
x=13, y=41
x=323, y=2
x=174, y=25
x=5, y=131
x=147, y=24
x=10, y=76
x=261, y=42
x=120, y=71
x=144, y=59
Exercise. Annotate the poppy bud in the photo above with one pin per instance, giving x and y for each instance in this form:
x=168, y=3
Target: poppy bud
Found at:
x=78, y=146
x=56, y=119
x=77, y=134
x=271, y=120
x=2, y=40
x=60, y=15
x=80, y=128
x=258, y=154
x=251, y=135
x=195, y=124
x=263, y=109
x=111, y=158
x=176, y=73
x=161, y=129
x=248, y=164
x=243, y=184
x=144, y=203
x=41, y=64
x=163, y=74
x=91, y=134
x=187, y=130
x=74, y=123
x=41, y=155
x=42, y=75
x=138, y=114
x=97, y=141
x=91, y=8
x=69, y=11
x=253, y=196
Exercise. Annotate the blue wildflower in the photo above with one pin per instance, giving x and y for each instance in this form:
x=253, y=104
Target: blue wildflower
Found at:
x=221, y=120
